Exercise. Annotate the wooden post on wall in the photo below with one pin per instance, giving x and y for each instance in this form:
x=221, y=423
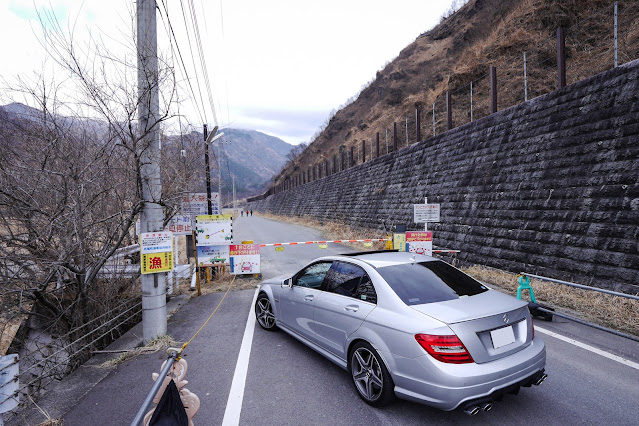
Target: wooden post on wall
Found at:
x=493, y=90
x=363, y=151
x=449, y=111
x=377, y=146
x=418, y=125
x=352, y=162
x=394, y=136
x=561, y=58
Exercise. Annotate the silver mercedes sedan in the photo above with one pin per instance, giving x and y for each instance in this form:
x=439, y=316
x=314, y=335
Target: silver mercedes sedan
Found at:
x=410, y=326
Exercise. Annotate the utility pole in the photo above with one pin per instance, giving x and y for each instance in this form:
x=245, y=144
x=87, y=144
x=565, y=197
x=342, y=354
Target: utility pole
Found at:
x=208, y=172
x=219, y=175
x=152, y=217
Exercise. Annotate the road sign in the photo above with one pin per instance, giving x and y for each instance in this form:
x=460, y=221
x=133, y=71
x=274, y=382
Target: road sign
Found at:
x=399, y=241
x=425, y=213
x=156, y=249
x=420, y=242
x=180, y=225
x=213, y=255
x=213, y=230
x=194, y=204
x=245, y=258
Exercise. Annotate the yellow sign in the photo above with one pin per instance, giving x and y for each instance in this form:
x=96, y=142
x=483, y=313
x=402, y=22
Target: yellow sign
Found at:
x=323, y=246
x=157, y=262
x=399, y=242
x=280, y=248
x=215, y=217
x=368, y=244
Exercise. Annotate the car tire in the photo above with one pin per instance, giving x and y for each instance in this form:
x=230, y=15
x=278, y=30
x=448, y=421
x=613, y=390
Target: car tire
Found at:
x=370, y=376
x=264, y=312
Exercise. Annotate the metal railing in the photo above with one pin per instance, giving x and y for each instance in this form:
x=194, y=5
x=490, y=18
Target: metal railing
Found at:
x=578, y=320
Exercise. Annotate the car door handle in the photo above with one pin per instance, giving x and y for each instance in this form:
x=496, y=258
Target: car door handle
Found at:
x=351, y=308
x=308, y=298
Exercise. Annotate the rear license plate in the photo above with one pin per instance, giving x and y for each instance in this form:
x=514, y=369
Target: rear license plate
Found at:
x=502, y=337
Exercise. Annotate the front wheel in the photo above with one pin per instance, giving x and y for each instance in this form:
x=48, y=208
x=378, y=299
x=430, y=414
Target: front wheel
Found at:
x=264, y=312
x=370, y=376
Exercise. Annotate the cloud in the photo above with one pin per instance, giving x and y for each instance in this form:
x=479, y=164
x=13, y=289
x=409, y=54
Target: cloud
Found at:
x=291, y=125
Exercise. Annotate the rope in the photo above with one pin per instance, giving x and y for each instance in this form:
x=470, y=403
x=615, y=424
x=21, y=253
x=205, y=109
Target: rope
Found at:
x=207, y=321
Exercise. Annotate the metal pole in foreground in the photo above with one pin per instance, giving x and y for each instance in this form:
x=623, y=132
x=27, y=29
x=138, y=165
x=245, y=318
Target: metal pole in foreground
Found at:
x=152, y=217
x=156, y=386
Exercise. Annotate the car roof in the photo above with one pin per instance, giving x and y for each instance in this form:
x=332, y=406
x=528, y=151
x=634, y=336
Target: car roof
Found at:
x=380, y=259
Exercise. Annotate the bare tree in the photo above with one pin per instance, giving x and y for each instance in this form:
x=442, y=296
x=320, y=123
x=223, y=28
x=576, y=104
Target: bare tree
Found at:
x=70, y=183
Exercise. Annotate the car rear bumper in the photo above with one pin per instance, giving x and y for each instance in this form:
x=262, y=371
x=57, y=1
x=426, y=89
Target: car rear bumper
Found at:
x=451, y=386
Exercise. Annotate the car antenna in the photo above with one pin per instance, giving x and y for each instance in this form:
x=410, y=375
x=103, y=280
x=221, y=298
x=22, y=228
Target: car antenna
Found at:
x=413, y=259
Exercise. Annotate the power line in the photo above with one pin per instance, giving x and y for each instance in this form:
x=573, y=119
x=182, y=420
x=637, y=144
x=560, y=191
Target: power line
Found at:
x=177, y=46
x=198, y=40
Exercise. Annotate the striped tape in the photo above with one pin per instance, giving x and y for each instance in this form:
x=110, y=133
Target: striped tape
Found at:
x=324, y=242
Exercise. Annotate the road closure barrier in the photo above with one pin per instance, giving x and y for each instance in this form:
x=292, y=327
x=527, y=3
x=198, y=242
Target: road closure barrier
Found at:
x=368, y=240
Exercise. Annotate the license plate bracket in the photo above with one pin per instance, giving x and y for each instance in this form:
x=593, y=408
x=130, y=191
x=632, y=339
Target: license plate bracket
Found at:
x=502, y=337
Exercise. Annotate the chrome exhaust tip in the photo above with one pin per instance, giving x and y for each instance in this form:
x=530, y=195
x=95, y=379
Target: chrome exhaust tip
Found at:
x=471, y=411
x=487, y=407
x=541, y=379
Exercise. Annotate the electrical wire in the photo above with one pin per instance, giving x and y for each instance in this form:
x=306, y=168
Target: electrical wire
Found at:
x=188, y=80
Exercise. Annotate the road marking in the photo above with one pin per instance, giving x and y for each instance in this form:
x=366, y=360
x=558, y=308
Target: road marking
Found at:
x=589, y=348
x=236, y=395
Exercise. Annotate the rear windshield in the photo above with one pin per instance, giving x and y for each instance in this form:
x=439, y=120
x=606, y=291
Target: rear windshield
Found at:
x=429, y=282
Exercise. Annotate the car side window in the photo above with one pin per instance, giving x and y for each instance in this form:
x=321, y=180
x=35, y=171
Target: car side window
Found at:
x=350, y=280
x=313, y=275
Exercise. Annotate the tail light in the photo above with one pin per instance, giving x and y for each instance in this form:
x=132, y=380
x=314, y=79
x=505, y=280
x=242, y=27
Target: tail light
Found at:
x=448, y=349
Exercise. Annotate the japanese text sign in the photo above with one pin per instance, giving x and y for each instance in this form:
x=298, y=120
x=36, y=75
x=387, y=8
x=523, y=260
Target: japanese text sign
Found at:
x=245, y=258
x=425, y=213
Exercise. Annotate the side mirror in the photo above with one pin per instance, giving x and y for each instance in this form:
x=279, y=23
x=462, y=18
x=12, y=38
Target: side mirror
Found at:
x=287, y=283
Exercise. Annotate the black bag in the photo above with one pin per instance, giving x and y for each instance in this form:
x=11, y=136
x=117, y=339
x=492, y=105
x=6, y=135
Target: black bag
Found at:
x=170, y=410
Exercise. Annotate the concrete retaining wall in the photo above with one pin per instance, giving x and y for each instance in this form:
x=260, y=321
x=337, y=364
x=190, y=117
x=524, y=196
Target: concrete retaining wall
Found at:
x=549, y=186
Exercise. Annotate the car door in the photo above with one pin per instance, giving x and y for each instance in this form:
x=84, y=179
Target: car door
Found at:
x=296, y=302
x=348, y=296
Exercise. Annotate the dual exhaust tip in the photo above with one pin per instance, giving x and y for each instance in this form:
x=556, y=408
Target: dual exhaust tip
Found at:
x=473, y=410
x=487, y=406
x=540, y=379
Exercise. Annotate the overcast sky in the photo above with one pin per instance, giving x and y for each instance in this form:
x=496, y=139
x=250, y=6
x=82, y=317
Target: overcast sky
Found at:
x=275, y=66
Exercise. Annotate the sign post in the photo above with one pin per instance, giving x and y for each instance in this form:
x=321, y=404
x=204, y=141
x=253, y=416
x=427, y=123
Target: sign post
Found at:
x=424, y=213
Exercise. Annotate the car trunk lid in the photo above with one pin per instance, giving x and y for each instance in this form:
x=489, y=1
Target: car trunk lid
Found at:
x=491, y=325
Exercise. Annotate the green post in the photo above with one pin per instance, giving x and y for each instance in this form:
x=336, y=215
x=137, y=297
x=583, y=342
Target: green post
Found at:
x=524, y=284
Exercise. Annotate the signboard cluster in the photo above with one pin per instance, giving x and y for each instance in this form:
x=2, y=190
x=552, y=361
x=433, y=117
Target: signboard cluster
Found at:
x=213, y=238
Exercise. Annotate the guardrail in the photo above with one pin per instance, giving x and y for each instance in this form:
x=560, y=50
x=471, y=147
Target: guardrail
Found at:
x=583, y=287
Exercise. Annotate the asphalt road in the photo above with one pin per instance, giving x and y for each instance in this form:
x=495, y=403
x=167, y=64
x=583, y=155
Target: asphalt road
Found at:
x=287, y=383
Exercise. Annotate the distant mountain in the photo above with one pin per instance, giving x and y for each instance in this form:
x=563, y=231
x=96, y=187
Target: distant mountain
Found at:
x=253, y=158
x=21, y=110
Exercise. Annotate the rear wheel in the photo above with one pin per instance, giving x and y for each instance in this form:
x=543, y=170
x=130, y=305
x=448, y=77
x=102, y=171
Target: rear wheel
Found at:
x=264, y=312
x=370, y=376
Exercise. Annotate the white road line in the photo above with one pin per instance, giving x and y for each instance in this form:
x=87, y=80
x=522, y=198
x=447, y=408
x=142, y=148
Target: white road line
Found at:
x=589, y=348
x=236, y=395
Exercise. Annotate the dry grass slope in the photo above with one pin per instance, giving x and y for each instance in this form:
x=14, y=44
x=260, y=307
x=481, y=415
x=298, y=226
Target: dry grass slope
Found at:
x=459, y=51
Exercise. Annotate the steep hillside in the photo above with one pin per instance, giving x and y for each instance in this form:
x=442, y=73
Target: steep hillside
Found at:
x=253, y=158
x=459, y=52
